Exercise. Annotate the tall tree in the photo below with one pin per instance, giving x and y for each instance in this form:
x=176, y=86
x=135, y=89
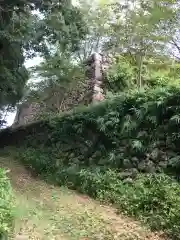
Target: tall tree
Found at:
x=140, y=32
x=97, y=15
x=22, y=33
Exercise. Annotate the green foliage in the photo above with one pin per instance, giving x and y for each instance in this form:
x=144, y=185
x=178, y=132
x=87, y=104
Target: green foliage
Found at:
x=161, y=72
x=6, y=206
x=25, y=34
x=144, y=30
x=12, y=71
x=152, y=198
x=124, y=133
x=96, y=16
x=121, y=76
x=101, y=150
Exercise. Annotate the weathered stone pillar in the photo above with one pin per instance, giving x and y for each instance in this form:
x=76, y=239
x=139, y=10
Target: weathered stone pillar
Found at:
x=97, y=66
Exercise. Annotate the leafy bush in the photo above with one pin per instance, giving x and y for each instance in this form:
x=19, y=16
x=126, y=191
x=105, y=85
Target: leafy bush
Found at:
x=139, y=130
x=162, y=75
x=152, y=198
x=6, y=206
x=135, y=133
x=120, y=76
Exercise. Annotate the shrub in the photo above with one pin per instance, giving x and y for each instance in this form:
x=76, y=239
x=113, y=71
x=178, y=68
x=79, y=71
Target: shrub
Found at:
x=152, y=198
x=102, y=149
x=133, y=131
x=6, y=206
x=120, y=76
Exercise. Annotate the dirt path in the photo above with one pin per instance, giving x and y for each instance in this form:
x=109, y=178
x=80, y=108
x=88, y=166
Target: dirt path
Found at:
x=45, y=212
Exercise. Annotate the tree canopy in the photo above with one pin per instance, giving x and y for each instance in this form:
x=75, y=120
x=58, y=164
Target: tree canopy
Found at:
x=28, y=28
x=143, y=34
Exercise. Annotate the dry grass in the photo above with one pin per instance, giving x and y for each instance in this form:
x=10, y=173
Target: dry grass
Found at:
x=46, y=212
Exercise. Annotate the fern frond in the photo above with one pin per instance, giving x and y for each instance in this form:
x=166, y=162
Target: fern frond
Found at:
x=137, y=145
x=175, y=118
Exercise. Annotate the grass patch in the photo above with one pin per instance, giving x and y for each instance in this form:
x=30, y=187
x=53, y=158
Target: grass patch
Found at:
x=152, y=198
x=48, y=212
